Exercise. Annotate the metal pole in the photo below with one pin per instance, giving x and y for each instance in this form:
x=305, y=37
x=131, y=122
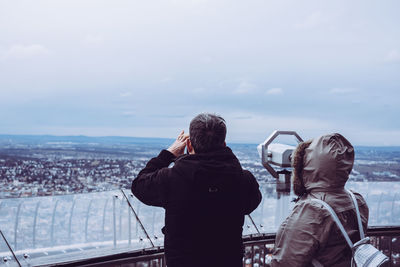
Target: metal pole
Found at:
x=137, y=218
x=255, y=226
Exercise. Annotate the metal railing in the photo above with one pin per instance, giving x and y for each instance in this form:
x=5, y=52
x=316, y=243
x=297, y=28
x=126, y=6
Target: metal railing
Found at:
x=258, y=250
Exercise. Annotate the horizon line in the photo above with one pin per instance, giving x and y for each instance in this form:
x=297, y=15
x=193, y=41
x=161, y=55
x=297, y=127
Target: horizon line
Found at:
x=159, y=138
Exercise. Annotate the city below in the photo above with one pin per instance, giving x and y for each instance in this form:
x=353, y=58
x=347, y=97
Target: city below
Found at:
x=51, y=165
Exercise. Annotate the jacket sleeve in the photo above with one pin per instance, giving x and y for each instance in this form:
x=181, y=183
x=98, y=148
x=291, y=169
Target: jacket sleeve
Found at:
x=252, y=194
x=301, y=235
x=151, y=184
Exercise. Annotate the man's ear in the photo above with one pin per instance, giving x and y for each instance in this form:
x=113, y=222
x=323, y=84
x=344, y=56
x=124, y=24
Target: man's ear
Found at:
x=189, y=146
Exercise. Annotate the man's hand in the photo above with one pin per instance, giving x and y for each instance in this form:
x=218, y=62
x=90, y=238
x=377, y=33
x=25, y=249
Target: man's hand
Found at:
x=178, y=147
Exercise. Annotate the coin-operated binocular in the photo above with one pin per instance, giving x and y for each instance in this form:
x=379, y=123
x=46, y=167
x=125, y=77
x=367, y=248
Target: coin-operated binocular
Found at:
x=279, y=155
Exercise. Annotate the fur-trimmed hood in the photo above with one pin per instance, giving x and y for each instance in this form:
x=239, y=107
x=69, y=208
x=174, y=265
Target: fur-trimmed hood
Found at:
x=322, y=164
x=321, y=169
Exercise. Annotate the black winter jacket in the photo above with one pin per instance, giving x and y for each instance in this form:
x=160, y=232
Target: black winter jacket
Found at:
x=205, y=197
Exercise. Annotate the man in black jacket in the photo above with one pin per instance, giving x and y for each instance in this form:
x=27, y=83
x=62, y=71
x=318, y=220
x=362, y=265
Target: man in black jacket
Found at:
x=206, y=195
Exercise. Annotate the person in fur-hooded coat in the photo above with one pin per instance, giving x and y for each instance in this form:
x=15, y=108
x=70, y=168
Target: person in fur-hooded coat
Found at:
x=321, y=168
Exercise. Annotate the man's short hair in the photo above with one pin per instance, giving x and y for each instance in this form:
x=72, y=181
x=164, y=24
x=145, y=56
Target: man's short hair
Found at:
x=207, y=132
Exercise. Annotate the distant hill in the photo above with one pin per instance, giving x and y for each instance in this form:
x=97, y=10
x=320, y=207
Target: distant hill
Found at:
x=81, y=139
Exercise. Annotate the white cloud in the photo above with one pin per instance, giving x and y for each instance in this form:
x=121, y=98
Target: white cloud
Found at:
x=247, y=127
x=274, y=91
x=310, y=22
x=393, y=56
x=93, y=39
x=342, y=90
x=367, y=136
x=19, y=51
x=245, y=87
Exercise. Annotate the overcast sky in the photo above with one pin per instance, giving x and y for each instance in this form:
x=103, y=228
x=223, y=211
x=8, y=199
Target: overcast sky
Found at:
x=145, y=68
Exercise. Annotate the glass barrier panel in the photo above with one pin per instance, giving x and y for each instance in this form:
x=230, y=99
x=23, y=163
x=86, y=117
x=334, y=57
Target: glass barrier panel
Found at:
x=45, y=230
x=382, y=198
x=383, y=201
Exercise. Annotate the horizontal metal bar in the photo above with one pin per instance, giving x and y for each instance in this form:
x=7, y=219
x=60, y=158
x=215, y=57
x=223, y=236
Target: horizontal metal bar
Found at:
x=383, y=231
x=147, y=255
x=119, y=258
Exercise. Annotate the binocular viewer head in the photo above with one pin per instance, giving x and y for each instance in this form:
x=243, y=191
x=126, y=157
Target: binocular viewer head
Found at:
x=275, y=153
x=278, y=154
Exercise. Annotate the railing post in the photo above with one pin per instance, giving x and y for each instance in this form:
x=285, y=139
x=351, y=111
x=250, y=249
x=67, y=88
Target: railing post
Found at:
x=114, y=221
x=138, y=213
x=393, y=202
x=390, y=250
x=87, y=219
x=379, y=207
x=104, y=216
x=34, y=225
x=70, y=220
x=120, y=219
x=152, y=225
x=16, y=225
x=52, y=223
x=129, y=225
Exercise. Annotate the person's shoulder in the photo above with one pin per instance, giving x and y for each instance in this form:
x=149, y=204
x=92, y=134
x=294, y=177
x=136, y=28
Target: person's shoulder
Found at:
x=308, y=205
x=360, y=199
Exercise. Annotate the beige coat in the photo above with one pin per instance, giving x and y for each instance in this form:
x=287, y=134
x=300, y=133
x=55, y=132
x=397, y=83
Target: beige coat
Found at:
x=309, y=231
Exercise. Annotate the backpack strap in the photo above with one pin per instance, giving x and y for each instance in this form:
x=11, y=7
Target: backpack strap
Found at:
x=336, y=220
x=316, y=263
x=360, y=227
